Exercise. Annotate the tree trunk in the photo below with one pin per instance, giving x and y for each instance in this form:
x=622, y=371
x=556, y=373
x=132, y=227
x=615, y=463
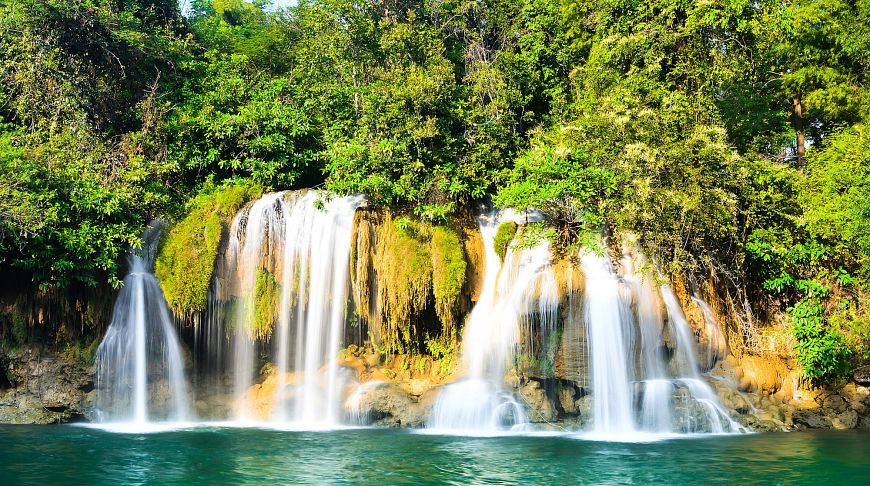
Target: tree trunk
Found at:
x=797, y=122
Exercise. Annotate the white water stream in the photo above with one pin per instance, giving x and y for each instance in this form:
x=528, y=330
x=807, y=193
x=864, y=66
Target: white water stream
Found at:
x=140, y=370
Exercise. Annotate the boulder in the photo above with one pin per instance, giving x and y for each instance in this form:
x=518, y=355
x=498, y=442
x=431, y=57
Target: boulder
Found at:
x=812, y=419
x=845, y=420
x=390, y=405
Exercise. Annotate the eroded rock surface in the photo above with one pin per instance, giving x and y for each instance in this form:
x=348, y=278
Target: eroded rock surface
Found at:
x=45, y=387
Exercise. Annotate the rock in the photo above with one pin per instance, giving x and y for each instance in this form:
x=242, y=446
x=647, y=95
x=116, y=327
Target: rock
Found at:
x=857, y=396
x=846, y=420
x=48, y=388
x=812, y=419
x=566, y=399
x=584, y=409
x=540, y=407
x=390, y=405
x=862, y=376
x=834, y=402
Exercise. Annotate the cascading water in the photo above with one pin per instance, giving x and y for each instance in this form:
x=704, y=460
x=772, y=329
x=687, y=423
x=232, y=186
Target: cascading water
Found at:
x=713, y=417
x=643, y=386
x=657, y=388
x=608, y=327
x=717, y=346
x=286, y=267
x=523, y=285
x=140, y=370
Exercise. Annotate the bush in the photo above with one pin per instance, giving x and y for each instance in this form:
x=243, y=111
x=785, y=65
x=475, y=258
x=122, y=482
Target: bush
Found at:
x=821, y=351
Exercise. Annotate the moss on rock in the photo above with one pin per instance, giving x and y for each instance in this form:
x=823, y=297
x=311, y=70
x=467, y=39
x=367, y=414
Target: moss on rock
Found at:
x=503, y=238
x=404, y=271
x=265, y=313
x=186, y=260
x=448, y=274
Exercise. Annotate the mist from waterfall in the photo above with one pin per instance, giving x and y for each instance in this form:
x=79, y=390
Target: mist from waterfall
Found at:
x=139, y=366
x=520, y=288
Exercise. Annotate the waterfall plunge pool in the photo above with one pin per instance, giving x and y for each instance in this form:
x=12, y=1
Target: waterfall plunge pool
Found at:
x=215, y=454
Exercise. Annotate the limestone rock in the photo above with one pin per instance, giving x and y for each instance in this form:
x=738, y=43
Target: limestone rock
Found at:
x=813, y=419
x=48, y=388
x=540, y=407
x=846, y=420
x=390, y=405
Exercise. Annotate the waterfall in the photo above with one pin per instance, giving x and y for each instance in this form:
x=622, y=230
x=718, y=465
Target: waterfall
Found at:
x=717, y=346
x=284, y=280
x=652, y=385
x=140, y=370
x=609, y=331
x=520, y=288
x=657, y=388
x=711, y=417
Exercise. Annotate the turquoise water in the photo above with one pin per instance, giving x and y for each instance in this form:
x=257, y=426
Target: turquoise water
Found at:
x=79, y=455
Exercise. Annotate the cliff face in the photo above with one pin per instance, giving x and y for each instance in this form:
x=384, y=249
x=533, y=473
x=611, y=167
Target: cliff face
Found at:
x=48, y=339
x=44, y=387
x=400, y=359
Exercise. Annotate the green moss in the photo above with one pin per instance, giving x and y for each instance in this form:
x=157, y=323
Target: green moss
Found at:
x=404, y=269
x=503, y=238
x=266, y=294
x=186, y=260
x=448, y=274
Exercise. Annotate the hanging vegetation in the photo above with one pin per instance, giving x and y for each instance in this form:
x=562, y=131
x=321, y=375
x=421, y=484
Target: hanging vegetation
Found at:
x=186, y=259
x=267, y=293
x=503, y=237
x=448, y=275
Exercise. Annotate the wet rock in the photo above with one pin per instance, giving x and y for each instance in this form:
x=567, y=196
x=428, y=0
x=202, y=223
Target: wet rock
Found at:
x=862, y=376
x=539, y=406
x=566, y=399
x=392, y=406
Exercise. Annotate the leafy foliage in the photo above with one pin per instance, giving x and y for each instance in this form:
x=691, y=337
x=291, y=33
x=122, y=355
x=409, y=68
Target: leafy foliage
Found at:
x=729, y=137
x=821, y=351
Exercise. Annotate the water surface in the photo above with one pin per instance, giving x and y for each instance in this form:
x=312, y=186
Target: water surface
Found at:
x=222, y=455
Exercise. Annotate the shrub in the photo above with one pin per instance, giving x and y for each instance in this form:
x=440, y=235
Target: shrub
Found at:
x=821, y=351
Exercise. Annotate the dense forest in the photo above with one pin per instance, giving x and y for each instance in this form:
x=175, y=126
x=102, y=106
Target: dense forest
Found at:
x=728, y=135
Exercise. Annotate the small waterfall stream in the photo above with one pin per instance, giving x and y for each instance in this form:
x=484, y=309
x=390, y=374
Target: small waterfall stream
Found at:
x=284, y=277
x=522, y=285
x=140, y=370
x=608, y=325
x=642, y=386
